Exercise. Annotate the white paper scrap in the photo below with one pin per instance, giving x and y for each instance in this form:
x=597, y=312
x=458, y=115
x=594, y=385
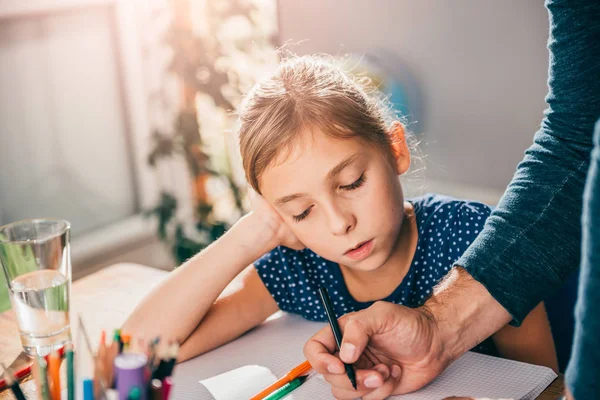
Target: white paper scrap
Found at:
x=240, y=383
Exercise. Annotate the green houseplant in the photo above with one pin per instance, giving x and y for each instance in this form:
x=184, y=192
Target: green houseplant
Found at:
x=216, y=57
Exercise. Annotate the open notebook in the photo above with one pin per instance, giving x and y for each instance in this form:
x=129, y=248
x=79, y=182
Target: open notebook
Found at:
x=277, y=344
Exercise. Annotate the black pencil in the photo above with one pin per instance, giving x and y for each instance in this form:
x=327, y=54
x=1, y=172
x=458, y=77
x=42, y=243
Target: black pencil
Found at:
x=337, y=334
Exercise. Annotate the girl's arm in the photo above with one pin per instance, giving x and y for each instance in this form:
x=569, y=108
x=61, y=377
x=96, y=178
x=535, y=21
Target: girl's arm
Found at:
x=531, y=342
x=175, y=308
x=234, y=313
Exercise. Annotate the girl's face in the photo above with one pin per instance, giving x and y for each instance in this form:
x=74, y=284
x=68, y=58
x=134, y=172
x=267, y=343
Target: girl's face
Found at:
x=341, y=197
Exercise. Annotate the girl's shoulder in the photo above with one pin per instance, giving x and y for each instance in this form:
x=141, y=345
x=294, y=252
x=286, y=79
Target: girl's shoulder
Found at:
x=446, y=226
x=439, y=208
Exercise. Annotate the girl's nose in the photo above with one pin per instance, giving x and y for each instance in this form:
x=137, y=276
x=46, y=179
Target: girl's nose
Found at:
x=341, y=221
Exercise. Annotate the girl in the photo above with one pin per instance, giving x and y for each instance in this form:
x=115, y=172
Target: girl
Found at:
x=324, y=157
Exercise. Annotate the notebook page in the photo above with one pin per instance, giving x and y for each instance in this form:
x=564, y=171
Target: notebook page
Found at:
x=277, y=344
x=479, y=375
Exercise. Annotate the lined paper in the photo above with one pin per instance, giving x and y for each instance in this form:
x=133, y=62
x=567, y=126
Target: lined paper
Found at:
x=277, y=345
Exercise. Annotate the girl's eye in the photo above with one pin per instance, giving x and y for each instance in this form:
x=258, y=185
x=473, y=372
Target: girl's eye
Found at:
x=304, y=214
x=356, y=184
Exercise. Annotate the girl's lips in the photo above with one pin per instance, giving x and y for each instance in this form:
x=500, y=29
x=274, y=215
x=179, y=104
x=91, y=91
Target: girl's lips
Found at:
x=360, y=252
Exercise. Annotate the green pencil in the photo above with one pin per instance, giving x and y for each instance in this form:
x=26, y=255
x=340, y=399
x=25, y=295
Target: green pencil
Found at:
x=70, y=372
x=287, y=388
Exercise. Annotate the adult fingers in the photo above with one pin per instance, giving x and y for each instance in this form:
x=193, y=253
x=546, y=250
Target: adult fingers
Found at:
x=371, y=385
x=355, y=339
x=366, y=380
x=318, y=351
x=388, y=386
x=359, y=326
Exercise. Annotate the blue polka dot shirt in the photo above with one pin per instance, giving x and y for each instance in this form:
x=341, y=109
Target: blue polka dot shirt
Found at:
x=446, y=228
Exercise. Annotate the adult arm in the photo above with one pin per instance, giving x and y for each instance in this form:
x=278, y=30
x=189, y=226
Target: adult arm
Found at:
x=531, y=242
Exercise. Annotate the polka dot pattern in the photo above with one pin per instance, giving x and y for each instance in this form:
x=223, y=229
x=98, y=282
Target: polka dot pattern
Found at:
x=446, y=229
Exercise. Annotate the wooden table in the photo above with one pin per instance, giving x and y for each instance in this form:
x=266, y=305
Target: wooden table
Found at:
x=104, y=300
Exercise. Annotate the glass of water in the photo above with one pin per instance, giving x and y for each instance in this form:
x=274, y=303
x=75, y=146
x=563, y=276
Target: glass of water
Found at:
x=36, y=261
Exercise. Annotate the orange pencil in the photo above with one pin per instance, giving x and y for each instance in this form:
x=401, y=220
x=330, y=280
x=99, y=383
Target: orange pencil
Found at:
x=126, y=341
x=287, y=378
x=102, y=354
x=54, y=375
x=100, y=365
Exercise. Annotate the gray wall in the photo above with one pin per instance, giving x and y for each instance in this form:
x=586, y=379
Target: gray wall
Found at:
x=482, y=66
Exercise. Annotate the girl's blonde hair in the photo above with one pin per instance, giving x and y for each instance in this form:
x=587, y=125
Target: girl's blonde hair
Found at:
x=308, y=93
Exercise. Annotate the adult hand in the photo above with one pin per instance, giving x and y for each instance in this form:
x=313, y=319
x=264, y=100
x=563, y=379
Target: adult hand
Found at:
x=276, y=226
x=398, y=349
x=394, y=349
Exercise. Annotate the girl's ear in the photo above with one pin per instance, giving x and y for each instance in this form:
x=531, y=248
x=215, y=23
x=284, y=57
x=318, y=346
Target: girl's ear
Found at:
x=399, y=147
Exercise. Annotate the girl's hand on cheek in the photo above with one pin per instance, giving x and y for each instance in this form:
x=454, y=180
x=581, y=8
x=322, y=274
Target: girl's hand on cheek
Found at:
x=282, y=235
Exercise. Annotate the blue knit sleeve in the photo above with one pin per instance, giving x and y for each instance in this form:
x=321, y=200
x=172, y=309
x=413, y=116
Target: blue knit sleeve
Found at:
x=531, y=242
x=582, y=373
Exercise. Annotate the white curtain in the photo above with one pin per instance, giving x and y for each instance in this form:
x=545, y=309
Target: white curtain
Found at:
x=64, y=146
